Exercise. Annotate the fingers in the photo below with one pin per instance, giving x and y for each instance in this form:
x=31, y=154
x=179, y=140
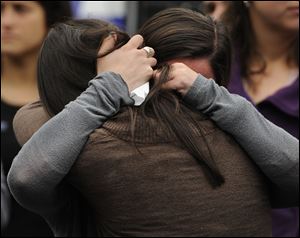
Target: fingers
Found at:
x=151, y=61
x=109, y=42
x=135, y=42
x=170, y=85
x=172, y=72
x=149, y=51
x=173, y=83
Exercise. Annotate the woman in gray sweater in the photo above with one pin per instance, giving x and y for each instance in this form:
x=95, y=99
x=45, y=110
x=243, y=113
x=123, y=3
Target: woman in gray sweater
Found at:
x=70, y=128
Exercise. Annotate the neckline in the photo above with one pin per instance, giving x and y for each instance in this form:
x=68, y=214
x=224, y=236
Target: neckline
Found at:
x=147, y=131
x=270, y=97
x=285, y=99
x=275, y=95
x=237, y=86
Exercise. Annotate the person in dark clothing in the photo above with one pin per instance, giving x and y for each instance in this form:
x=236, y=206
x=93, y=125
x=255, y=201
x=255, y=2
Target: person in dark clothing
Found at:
x=265, y=71
x=24, y=25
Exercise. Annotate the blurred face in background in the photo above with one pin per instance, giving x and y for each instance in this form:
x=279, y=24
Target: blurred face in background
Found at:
x=23, y=27
x=280, y=15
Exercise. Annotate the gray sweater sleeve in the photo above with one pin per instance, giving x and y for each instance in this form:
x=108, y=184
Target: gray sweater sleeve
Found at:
x=274, y=150
x=36, y=172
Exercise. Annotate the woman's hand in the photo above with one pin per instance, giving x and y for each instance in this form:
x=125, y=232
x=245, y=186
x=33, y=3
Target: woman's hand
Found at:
x=130, y=62
x=181, y=78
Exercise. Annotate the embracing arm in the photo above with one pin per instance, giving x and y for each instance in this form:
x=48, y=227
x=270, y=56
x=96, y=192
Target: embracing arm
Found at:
x=47, y=157
x=28, y=120
x=37, y=171
x=275, y=151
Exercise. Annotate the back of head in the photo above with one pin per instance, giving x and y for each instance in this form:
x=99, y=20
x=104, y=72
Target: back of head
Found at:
x=67, y=60
x=178, y=33
x=183, y=33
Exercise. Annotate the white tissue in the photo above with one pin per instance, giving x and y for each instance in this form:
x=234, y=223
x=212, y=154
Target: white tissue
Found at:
x=139, y=94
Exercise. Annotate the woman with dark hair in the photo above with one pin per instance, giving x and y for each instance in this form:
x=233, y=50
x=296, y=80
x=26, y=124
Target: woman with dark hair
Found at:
x=24, y=25
x=162, y=169
x=266, y=72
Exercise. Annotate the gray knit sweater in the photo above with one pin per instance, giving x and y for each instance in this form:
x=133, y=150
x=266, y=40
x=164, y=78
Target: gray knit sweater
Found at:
x=37, y=173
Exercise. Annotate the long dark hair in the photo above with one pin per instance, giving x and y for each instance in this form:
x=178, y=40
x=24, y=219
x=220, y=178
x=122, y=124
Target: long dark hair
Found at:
x=68, y=58
x=183, y=33
x=237, y=18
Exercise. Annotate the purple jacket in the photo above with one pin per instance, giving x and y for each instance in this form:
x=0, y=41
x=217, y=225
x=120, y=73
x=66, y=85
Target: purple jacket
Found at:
x=282, y=108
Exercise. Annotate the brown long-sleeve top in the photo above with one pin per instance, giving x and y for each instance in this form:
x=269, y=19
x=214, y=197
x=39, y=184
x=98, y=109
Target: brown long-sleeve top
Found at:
x=162, y=191
x=37, y=173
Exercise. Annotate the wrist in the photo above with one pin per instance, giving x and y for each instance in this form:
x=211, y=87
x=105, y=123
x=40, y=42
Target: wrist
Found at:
x=113, y=85
x=187, y=84
x=197, y=90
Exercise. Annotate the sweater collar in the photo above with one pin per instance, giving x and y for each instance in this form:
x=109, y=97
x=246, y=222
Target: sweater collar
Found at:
x=146, y=131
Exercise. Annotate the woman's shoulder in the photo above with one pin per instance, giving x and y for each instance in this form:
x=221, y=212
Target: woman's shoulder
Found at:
x=28, y=120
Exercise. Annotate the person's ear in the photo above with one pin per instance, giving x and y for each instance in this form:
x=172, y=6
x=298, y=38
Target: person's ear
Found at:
x=108, y=44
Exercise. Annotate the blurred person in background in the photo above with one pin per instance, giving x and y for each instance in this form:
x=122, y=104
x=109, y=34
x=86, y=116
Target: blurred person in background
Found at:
x=24, y=25
x=215, y=8
x=266, y=72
